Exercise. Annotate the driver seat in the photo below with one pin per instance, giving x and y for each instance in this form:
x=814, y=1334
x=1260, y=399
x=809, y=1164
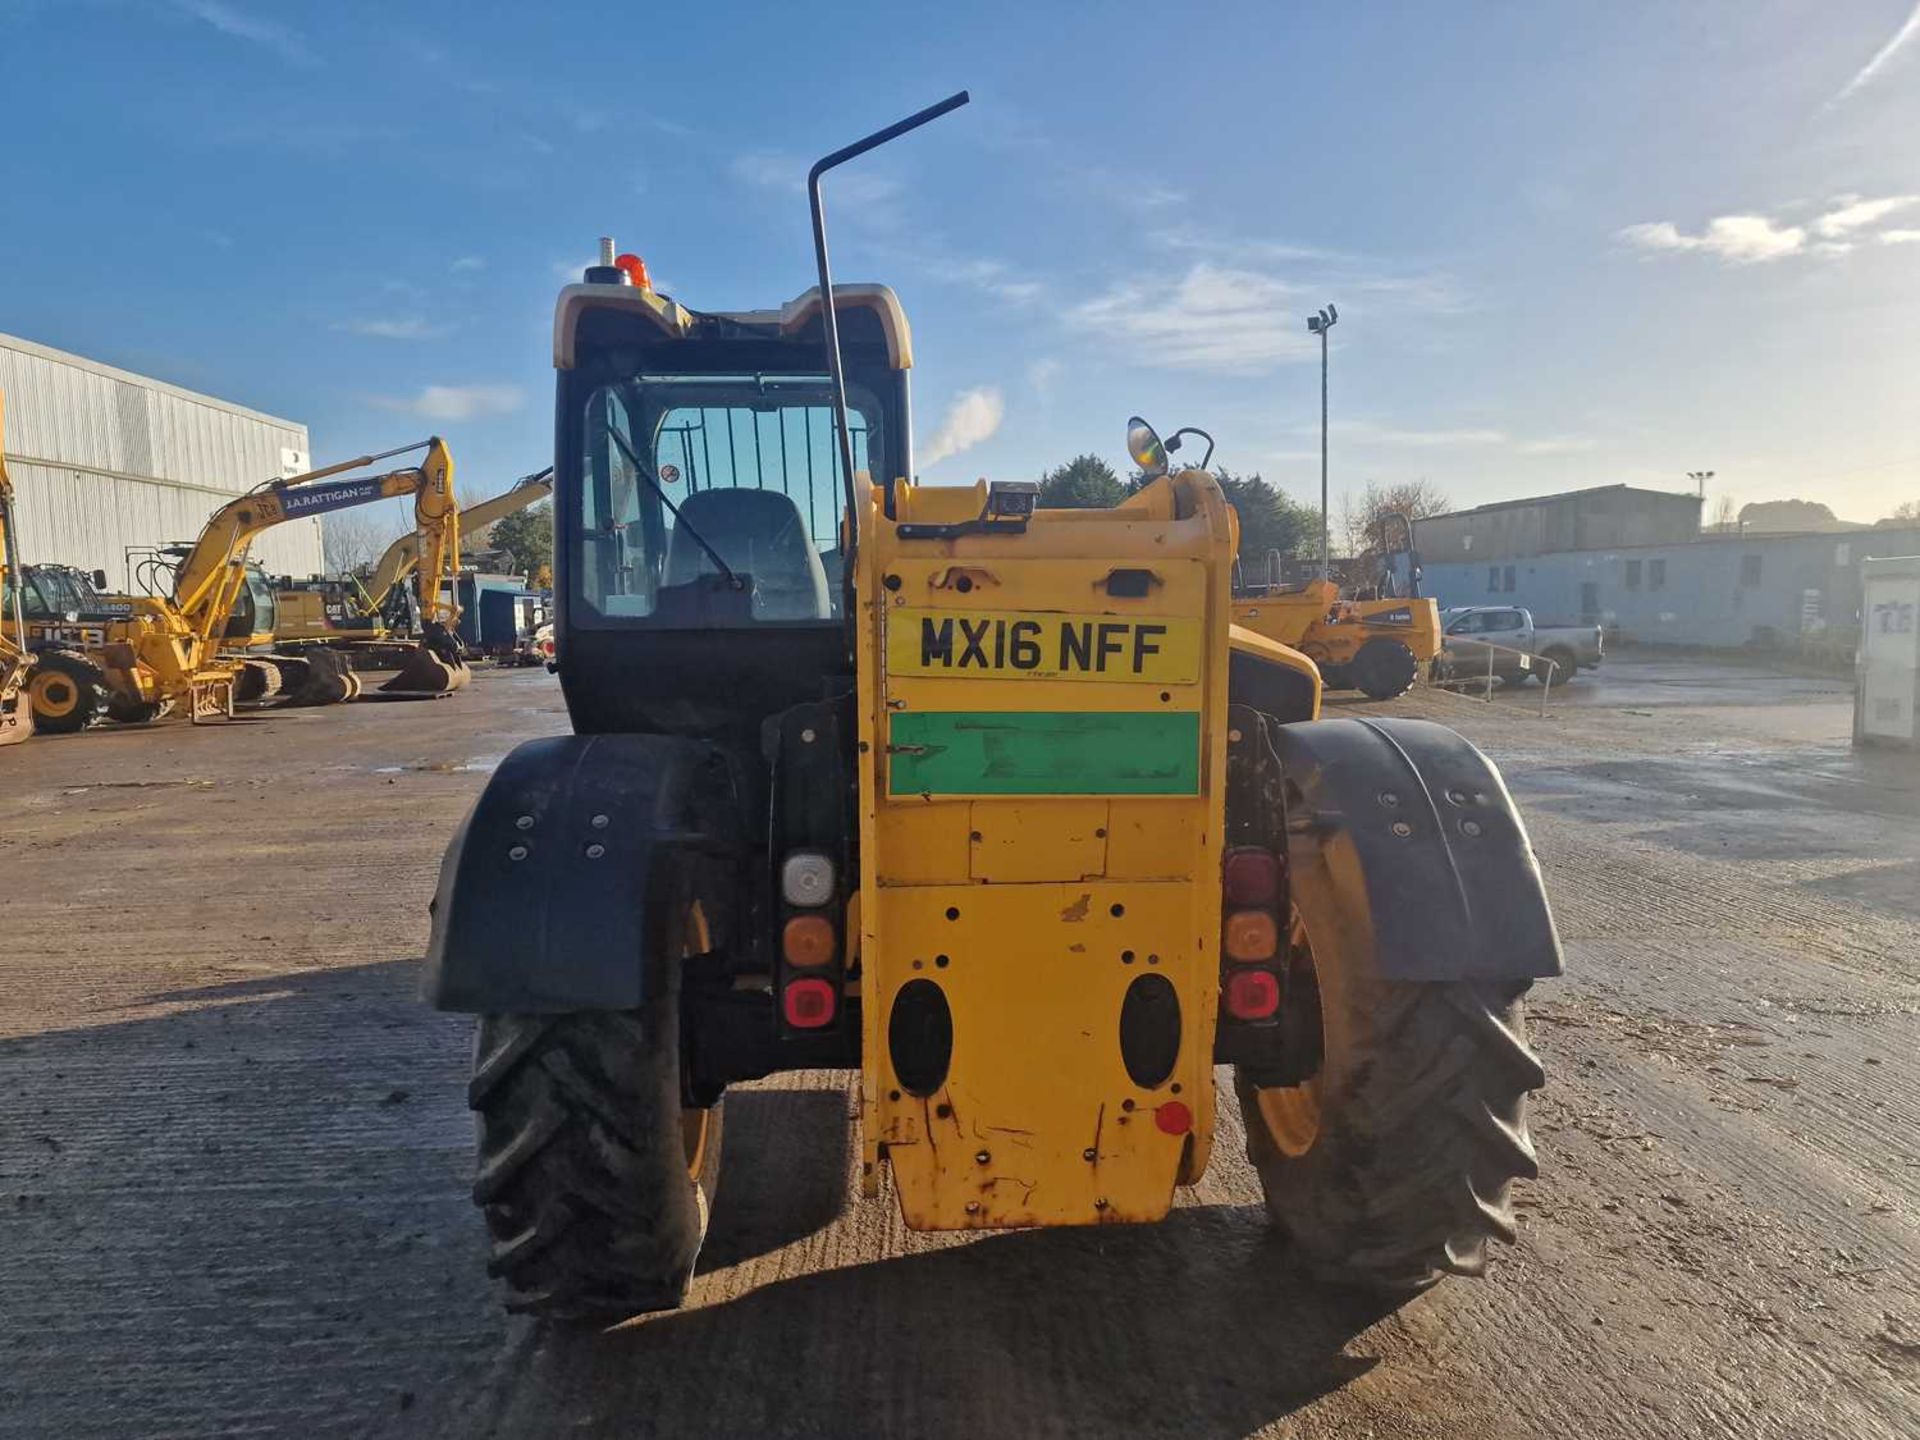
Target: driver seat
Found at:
x=759, y=533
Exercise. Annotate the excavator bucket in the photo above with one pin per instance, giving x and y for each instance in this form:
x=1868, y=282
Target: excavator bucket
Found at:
x=16, y=717
x=427, y=674
x=324, y=677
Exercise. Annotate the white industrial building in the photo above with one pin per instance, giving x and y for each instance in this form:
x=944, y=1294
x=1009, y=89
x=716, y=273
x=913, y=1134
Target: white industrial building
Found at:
x=105, y=462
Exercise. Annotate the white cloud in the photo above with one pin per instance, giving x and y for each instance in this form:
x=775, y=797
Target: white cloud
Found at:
x=1041, y=375
x=1336, y=275
x=1420, y=439
x=787, y=174
x=284, y=41
x=456, y=402
x=1854, y=213
x=466, y=264
x=1899, y=237
x=994, y=277
x=1556, y=445
x=1367, y=432
x=396, y=327
x=1882, y=57
x=1214, y=317
x=1752, y=239
x=1737, y=239
x=769, y=171
x=973, y=417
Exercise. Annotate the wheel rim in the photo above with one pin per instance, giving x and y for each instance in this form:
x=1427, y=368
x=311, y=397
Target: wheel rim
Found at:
x=55, y=695
x=696, y=1126
x=1291, y=1113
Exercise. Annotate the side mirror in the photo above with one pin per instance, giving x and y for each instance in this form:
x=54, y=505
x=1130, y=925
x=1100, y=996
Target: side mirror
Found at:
x=99, y=579
x=1145, y=448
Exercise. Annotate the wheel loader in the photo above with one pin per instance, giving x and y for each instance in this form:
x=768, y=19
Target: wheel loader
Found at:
x=987, y=802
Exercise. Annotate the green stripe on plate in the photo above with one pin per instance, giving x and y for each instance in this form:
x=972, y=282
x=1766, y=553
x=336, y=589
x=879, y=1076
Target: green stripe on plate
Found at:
x=1044, y=752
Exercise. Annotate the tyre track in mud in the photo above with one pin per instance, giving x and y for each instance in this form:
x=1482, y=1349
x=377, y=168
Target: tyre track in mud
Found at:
x=235, y=1153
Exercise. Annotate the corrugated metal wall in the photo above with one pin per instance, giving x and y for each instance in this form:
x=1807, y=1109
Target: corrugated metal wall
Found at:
x=104, y=460
x=1611, y=515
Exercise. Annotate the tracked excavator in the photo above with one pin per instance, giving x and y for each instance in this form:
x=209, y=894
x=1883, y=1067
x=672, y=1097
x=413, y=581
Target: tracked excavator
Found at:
x=357, y=614
x=173, y=652
x=16, y=714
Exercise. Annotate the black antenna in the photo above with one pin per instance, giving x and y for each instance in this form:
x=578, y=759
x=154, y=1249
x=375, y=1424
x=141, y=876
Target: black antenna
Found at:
x=828, y=311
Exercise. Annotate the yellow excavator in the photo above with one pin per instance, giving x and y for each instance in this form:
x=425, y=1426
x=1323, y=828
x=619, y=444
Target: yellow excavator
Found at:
x=16, y=715
x=348, y=610
x=173, y=652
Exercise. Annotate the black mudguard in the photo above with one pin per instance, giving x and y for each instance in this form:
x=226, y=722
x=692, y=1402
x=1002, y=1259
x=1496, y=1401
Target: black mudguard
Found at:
x=547, y=893
x=1418, y=821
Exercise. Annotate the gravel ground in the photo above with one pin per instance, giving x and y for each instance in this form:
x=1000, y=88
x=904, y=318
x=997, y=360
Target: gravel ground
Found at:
x=234, y=1152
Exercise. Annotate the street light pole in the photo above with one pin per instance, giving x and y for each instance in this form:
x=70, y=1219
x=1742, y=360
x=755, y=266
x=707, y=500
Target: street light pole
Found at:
x=1319, y=324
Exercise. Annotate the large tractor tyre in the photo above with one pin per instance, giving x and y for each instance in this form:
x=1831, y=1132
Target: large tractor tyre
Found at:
x=1565, y=666
x=1392, y=1166
x=1384, y=669
x=595, y=1177
x=68, y=692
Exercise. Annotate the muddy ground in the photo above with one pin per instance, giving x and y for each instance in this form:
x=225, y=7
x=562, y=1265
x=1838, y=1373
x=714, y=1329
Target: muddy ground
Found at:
x=234, y=1150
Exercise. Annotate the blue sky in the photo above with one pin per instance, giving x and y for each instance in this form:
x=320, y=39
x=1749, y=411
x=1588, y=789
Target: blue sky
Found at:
x=1570, y=245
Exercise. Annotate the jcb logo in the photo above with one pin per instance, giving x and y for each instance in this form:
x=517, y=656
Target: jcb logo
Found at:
x=1158, y=650
x=90, y=637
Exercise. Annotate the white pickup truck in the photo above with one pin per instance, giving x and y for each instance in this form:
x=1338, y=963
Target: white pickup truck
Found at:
x=1470, y=633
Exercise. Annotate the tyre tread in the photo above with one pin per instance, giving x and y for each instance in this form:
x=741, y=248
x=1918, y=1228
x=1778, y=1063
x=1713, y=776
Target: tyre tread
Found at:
x=1413, y=1172
x=590, y=1216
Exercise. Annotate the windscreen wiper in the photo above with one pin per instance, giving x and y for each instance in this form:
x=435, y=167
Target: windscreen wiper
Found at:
x=645, y=474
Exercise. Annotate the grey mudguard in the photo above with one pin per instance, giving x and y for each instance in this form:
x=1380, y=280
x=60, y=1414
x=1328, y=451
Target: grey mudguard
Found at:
x=1419, y=820
x=546, y=891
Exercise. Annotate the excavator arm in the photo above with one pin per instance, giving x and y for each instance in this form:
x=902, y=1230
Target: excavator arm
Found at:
x=209, y=580
x=16, y=716
x=402, y=557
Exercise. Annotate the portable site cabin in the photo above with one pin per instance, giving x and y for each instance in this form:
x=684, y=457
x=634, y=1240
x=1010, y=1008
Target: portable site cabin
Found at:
x=1886, y=704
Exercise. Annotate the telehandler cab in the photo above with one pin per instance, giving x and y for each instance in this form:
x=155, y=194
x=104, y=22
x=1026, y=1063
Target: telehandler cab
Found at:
x=986, y=801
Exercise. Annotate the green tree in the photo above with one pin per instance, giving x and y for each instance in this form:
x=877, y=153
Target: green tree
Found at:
x=1085, y=482
x=1269, y=521
x=527, y=535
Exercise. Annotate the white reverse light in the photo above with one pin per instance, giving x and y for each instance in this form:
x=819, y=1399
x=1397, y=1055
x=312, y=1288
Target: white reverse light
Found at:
x=806, y=878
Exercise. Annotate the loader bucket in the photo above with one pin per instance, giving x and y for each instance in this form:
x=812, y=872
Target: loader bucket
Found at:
x=427, y=674
x=16, y=718
x=323, y=677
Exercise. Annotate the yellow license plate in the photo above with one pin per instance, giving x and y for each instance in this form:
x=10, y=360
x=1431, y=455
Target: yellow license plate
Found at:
x=1044, y=645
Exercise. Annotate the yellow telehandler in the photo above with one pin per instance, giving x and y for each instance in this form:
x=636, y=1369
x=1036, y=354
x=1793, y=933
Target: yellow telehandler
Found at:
x=989, y=803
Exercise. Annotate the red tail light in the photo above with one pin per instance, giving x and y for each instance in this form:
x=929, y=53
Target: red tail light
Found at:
x=1252, y=994
x=809, y=1003
x=1251, y=876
